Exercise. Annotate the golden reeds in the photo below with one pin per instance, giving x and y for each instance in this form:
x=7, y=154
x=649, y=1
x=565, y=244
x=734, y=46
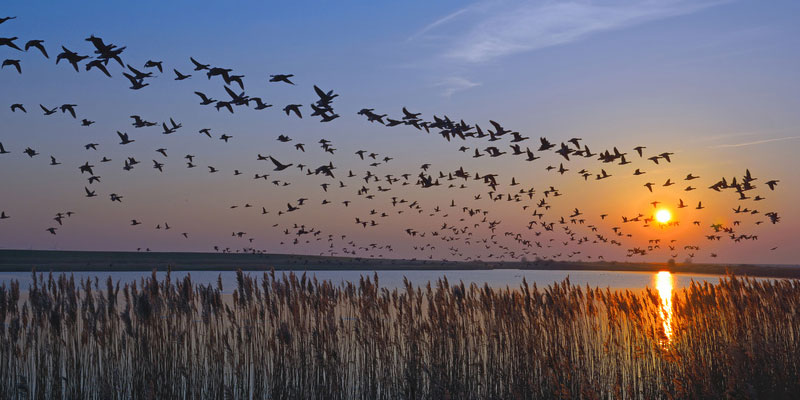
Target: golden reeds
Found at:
x=291, y=336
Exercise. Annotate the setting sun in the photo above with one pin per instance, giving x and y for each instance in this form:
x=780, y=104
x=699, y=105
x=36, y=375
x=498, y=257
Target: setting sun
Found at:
x=663, y=216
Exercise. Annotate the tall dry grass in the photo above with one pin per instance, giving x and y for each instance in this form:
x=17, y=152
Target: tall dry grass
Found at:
x=294, y=337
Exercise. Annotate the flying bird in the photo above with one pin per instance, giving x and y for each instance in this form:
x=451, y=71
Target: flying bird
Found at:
x=38, y=44
x=281, y=78
x=13, y=63
x=278, y=165
x=9, y=42
x=179, y=76
x=124, y=138
x=293, y=108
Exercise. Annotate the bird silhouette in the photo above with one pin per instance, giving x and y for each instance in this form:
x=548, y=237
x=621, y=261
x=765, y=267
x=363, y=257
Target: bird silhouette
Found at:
x=278, y=165
x=124, y=138
x=37, y=44
x=179, y=76
x=71, y=57
x=295, y=108
x=13, y=63
x=99, y=65
x=9, y=42
x=48, y=111
x=281, y=78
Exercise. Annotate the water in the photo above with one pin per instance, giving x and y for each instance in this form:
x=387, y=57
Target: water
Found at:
x=394, y=279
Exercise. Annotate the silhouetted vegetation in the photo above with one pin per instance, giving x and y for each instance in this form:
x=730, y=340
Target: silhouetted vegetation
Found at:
x=289, y=336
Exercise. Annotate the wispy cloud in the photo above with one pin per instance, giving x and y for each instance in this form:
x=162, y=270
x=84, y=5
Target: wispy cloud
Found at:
x=756, y=142
x=455, y=84
x=441, y=21
x=499, y=28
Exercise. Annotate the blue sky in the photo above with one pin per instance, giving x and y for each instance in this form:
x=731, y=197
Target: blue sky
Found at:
x=714, y=81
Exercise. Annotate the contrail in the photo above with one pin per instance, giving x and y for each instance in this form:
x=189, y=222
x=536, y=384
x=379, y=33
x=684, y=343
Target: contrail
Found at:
x=756, y=142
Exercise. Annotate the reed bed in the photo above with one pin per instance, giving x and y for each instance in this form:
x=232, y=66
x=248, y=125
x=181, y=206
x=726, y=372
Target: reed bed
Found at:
x=288, y=336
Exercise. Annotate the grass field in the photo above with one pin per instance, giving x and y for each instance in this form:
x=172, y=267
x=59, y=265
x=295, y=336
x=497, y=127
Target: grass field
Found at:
x=286, y=336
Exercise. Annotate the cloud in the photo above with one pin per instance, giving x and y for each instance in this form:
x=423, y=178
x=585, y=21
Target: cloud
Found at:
x=756, y=142
x=440, y=21
x=500, y=28
x=455, y=84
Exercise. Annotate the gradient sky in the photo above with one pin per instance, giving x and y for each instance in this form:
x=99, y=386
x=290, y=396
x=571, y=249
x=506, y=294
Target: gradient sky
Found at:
x=714, y=82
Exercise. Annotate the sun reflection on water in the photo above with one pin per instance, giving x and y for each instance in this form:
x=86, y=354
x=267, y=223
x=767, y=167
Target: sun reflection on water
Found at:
x=664, y=285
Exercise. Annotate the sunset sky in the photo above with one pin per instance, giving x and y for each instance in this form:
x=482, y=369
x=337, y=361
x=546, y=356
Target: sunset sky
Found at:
x=714, y=82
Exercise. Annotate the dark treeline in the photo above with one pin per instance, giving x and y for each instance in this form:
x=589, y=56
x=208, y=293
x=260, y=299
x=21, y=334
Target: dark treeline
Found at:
x=109, y=261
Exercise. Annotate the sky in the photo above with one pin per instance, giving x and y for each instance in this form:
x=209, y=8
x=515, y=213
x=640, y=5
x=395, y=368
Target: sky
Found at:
x=713, y=82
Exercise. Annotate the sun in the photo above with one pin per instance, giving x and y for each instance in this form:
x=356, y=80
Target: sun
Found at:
x=663, y=216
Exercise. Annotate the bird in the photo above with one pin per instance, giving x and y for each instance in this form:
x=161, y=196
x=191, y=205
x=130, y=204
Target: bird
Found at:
x=278, y=165
x=38, y=44
x=9, y=42
x=281, y=78
x=545, y=144
x=2, y=149
x=204, y=99
x=124, y=138
x=198, y=66
x=86, y=168
x=4, y=19
x=772, y=184
x=259, y=103
x=13, y=63
x=324, y=97
x=15, y=107
x=48, y=111
x=154, y=64
x=99, y=65
x=179, y=76
x=70, y=108
x=136, y=84
x=293, y=108
x=71, y=57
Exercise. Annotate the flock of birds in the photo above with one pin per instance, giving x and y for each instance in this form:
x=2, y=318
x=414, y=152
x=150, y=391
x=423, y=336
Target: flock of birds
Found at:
x=466, y=225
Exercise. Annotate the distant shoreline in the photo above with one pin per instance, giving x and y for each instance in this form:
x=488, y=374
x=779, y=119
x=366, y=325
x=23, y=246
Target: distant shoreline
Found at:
x=66, y=261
